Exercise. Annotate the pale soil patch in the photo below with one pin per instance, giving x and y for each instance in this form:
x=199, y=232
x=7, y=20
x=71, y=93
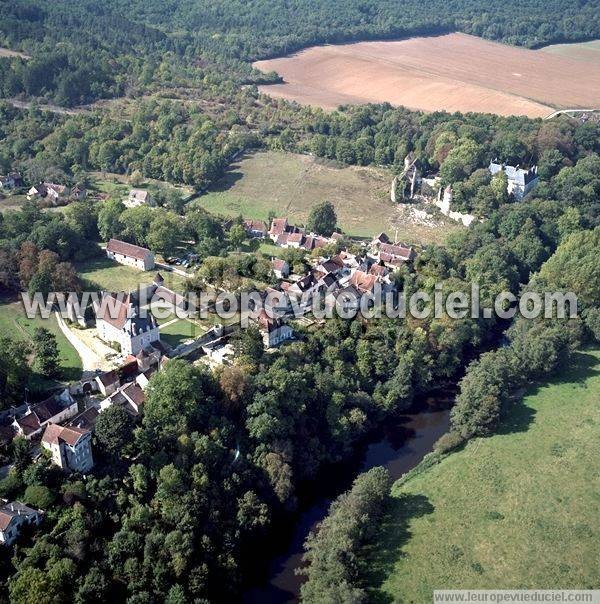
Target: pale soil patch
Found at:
x=6, y=52
x=454, y=72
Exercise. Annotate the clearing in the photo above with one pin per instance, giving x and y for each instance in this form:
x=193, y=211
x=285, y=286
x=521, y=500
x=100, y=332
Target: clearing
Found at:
x=454, y=72
x=7, y=52
x=518, y=510
x=119, y=185
x=107, y=275
x=290, y=184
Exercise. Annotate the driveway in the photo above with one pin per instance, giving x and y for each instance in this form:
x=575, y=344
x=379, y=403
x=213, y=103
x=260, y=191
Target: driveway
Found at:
x=89, y=359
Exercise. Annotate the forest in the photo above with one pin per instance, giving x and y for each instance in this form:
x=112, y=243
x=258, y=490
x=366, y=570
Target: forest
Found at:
x=109, y=50
x=169, y=516
x=171, y=513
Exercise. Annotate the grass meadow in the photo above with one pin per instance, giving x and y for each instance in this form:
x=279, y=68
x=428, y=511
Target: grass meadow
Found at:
x=16, y=325
x=290, y=185
x=518, y=510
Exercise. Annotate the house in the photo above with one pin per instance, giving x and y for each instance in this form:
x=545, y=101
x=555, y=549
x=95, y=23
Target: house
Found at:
x=332, y=265
x=273, y=330
x=345, y=300
x=364, y=283
x=281, y=268
x=119, y=321
x=281, y=239
x=295, y=240
x=279, y=226
x=520, y=181
x=255, y=228
x=10, y=181
x=70, y=447
x=78, y=192
x=55, y=409
x=131, y=397
x=130, y=255
x=281, y=232
x=381, y=238
x=108, y=382
x=379, y=270
x=276, y=301
x=312, y=242
x=14, y=516
x=394, y=254
x=135, y=397
x=303, y=289
x=49, y=190
x=137, y=197
x=86, y=419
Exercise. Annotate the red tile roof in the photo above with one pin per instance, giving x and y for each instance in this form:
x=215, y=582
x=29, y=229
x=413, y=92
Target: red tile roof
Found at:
x=295, y=238
x=278, y=264
x=401, y=251
x=278, y=226
x=55, y=433
x=363, y=282
x=127, y=249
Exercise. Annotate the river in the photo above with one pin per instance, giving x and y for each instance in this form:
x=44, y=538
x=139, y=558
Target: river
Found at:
x=399, y=447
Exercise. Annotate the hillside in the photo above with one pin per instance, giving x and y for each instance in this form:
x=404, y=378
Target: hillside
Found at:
x=517, y=510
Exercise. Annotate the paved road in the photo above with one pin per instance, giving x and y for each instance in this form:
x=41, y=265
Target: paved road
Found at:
x=173, y=269
x=561, y=111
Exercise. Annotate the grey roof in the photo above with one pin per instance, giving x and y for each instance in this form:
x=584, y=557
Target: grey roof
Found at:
x=514, y=173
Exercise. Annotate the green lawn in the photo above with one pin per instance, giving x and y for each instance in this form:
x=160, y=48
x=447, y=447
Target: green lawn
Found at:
x=290, y=184
x=518, y=510
x=108, y=275
x=16, y=325
x=181, y=330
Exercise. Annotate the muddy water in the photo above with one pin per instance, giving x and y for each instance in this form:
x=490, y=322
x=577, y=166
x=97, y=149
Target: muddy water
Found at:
x=399, y=448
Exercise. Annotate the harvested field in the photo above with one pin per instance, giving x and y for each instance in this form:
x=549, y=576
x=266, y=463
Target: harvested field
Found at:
x=583, y=51
x=454, y=72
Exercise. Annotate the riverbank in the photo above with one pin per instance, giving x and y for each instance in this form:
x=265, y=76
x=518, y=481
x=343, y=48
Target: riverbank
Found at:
x=400, y=446
x=516, y=510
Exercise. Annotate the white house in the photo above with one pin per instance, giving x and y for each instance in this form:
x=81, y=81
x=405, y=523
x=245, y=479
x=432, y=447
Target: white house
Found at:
x=118, y=321
x=13, y=517
x=273, y=330
x=48, y=189
x=137, y=197
x=281, y=268
x=70, y=447
x=520, y=181
x=130, y=255
x=108, y=382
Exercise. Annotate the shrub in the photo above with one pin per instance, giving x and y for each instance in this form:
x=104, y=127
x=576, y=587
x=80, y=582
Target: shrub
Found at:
x=39, y=496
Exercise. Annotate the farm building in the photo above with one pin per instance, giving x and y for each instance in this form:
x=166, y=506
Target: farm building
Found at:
x=130, y=255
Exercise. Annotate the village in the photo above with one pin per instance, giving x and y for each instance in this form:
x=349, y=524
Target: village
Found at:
x=339, y=272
